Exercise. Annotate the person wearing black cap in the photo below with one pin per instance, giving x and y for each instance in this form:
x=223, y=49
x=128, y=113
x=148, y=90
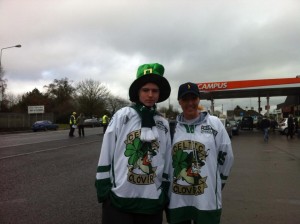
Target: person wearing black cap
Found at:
x=132, y=176
x=201, y=161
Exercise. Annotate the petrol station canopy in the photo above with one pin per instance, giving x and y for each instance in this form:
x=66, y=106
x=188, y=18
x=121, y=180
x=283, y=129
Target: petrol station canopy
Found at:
x=250, y=88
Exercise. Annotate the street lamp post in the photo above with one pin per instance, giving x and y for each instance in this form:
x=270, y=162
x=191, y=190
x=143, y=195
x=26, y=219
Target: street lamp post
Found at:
x=2, y=81
x=19, y=45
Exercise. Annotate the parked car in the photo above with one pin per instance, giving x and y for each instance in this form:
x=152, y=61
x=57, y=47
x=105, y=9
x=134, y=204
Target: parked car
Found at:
x=235, y=127
x=247, y=123
x=44, y=126
x=227, y=126
x=239, y=123
x=92, y=122
x=283, y=126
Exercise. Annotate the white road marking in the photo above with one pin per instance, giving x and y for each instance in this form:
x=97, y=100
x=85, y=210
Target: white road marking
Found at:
x=45, y=150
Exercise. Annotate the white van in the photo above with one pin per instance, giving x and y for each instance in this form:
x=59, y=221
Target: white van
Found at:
x=227, y=126
x=283, y=126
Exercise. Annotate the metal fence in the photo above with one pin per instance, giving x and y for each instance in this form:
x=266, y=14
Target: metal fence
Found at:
x=22, y=120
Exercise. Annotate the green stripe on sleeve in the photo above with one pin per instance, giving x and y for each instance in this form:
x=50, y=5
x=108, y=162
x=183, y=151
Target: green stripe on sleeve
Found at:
x=102, y=169
x=166, y=176
x=223, y=177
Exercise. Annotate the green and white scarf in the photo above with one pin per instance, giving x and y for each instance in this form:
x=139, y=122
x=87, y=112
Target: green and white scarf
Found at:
x=149, y=130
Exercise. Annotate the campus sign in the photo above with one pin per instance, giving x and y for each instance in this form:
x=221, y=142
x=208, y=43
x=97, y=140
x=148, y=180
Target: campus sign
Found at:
x=247, y=84
x=212, y=86
x=36, y=109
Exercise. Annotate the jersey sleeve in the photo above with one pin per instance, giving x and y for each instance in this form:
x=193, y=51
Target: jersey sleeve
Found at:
x=225, y=154
x=104, y=179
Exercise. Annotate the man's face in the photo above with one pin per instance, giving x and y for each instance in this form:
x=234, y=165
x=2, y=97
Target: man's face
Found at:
x=149, y=94
x=189, y=105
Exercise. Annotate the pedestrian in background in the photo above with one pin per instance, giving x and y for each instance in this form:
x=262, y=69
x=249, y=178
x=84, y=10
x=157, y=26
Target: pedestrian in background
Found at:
x=296, y=125
x=105, y=121
x=80, y=124
x=132, y=176
x=274, y=125
x=291, y=126
x=265, y=125
x=72, y=123
x=201, y=161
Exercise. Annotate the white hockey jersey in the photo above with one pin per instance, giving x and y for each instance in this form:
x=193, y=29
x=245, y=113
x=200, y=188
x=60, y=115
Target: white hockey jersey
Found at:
x=201, y=161
x=135, y=179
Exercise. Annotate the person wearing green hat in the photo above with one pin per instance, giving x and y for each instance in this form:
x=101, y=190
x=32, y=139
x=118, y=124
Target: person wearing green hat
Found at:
x=132, y=176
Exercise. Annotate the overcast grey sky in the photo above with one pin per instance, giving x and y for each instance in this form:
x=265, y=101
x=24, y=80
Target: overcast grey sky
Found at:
x=106, y=40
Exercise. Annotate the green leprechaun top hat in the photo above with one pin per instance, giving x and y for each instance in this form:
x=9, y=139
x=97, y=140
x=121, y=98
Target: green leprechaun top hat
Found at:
x=150, y=73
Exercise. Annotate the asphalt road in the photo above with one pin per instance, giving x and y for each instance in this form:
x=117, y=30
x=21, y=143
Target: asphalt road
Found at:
x=264, y=186
x=47, y=177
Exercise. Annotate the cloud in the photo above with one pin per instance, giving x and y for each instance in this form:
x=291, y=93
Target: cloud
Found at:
x=197, y=41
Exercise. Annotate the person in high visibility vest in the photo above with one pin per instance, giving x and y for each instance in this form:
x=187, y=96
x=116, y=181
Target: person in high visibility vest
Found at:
x=105, y=121
x=72, y=124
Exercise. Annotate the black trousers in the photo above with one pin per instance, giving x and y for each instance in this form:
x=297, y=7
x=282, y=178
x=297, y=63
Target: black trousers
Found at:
x=104, y=128
x=112, y=215
x=71, y=133
x=81, y=130
x=290, y=132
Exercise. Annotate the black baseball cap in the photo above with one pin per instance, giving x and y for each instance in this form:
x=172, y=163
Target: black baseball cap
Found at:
x=186, y=88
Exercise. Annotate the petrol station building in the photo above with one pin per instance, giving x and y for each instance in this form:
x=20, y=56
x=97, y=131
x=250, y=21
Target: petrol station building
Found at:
x=289, y=87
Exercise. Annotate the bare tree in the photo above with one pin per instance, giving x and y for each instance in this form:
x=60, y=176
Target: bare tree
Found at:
x=91, y=97
x=32, y=98
x=115, y=103
x=13, y=99
x=61, y=92
x=3, y=86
